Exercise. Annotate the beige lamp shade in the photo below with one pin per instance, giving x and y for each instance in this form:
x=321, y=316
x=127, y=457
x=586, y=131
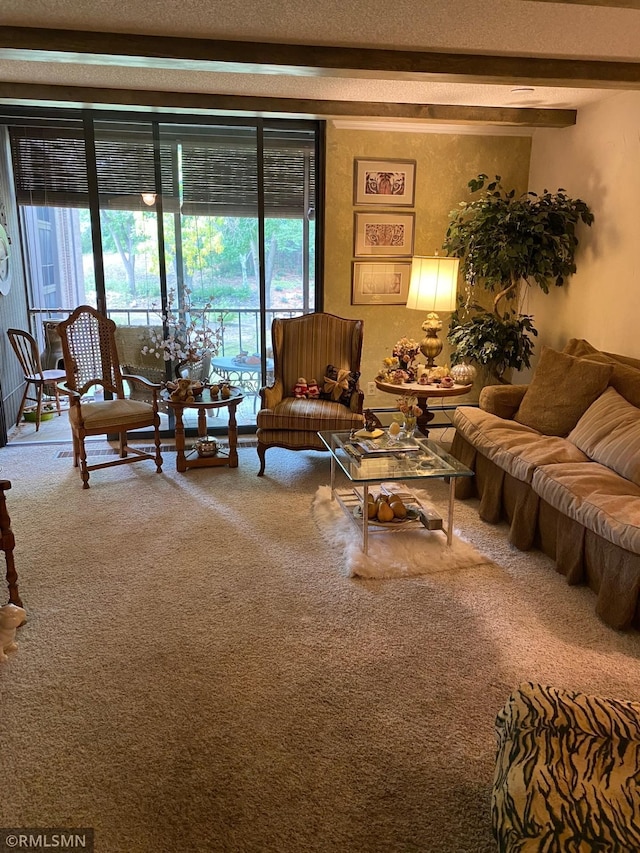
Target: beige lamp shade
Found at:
x=434, y=283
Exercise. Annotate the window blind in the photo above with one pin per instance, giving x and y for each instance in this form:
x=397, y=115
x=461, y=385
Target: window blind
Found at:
x=220, y=176
x=218, y=171
x=50, y=167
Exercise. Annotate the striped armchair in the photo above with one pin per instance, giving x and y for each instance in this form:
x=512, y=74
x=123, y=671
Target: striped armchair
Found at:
x=304, y=347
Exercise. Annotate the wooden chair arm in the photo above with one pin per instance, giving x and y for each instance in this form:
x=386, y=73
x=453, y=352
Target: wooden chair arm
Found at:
x=73, y=395
x=142, y=380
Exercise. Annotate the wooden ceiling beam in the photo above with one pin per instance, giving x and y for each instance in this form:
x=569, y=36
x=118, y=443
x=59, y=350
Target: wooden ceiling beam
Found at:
x=69, y=46
x=87, y=97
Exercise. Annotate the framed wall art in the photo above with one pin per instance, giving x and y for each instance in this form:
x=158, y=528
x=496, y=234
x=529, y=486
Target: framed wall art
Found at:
x=389, y=234
x=391, y=183
x=380, y=282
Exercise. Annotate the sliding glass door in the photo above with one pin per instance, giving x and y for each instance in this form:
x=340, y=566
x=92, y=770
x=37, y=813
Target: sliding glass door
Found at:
x=137, y=217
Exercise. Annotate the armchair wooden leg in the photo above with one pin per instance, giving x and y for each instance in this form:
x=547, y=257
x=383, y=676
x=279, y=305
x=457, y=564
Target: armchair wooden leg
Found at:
x=262, y=449
x=158, y=455
x=83, y=463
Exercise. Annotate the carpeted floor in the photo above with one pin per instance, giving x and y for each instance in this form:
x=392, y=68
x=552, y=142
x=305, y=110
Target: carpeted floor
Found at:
x=198, y=674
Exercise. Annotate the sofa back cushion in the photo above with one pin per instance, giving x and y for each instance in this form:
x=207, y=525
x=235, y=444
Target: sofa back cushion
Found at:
x=583, y=349
x=624, y=378
x=609, y=433
x=561, y=390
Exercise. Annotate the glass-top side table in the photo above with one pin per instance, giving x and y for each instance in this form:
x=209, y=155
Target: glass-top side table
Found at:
x=392, y=462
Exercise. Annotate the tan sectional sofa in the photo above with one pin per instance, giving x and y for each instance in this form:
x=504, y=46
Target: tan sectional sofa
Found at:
x=559, y=459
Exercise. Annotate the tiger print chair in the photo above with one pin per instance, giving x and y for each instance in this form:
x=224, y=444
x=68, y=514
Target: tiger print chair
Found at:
x=567, y=774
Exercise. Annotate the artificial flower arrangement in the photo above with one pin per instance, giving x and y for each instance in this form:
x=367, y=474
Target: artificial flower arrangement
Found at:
x=409, y=406
x=403, y=366
x=190, y=335
x=406, y=351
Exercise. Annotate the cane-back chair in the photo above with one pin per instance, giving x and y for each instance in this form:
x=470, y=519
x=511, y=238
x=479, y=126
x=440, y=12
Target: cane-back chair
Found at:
x=37, y=380
x=91, y=361
x=306, y=348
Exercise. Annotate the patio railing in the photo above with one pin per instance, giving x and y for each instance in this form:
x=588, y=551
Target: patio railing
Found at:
x=241, y=326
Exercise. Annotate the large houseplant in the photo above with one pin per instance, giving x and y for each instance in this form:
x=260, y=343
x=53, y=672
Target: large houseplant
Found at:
x=506, y=242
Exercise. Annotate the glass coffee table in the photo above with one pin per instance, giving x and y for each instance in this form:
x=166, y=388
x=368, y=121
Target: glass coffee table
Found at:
x=385, y=460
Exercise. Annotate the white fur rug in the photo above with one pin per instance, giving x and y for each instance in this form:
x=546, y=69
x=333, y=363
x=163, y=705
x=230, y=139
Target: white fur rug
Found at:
x=405, y=553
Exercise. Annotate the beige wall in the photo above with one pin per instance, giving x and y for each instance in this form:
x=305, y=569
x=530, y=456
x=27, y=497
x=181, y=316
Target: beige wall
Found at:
x=598, y=160
x=445, y=163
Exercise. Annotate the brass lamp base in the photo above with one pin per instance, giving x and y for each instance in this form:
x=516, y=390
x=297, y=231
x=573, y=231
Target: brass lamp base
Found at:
x=431, y=345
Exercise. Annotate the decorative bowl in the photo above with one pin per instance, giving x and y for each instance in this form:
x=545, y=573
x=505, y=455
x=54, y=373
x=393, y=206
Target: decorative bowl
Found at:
x=44, y=416
x=206, y=447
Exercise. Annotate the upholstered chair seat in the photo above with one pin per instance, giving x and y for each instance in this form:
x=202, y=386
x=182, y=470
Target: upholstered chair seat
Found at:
x=309, y=415
x=305, y=347
x=113, y=413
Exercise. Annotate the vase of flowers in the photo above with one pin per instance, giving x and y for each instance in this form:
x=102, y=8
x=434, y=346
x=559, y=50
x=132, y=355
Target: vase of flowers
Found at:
x=411, y=411
x=406, y=351
x=190, y=340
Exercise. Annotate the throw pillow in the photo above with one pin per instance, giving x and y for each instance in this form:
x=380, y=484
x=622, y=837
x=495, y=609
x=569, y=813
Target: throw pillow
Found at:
x=579, y=347
x=625, y=379
x=609, y=433
x=561, y=390
x=338, y=384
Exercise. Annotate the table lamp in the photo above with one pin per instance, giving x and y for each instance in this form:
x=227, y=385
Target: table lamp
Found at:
x=433, y=287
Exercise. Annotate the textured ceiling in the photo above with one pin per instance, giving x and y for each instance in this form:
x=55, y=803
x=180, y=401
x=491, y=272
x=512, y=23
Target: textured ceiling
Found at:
x=499, y=27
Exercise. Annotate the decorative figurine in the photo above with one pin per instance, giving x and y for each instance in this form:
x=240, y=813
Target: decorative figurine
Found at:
x=182, y=391
x=11, y=616
x=371, y=421
x=225, y=391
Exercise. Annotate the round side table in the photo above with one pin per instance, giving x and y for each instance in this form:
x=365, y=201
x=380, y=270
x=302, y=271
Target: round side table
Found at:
x=185, y=461
x=422, y=393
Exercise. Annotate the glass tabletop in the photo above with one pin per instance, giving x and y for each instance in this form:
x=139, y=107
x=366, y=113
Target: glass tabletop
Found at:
x=385, y=458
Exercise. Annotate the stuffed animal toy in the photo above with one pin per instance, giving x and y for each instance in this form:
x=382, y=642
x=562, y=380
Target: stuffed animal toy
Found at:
x=300, y=388
x=10, y=617
x=313, y=391
x=182, y=391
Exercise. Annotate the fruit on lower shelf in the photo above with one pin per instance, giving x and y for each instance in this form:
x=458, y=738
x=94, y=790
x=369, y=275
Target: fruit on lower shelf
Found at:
x=385, y=512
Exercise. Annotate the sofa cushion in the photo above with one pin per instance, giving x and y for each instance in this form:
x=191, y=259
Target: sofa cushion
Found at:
x=594, y=496
x=516, y=448
x=625, y=379
x=609, y=433
x=579, y=348
x=561, y=390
